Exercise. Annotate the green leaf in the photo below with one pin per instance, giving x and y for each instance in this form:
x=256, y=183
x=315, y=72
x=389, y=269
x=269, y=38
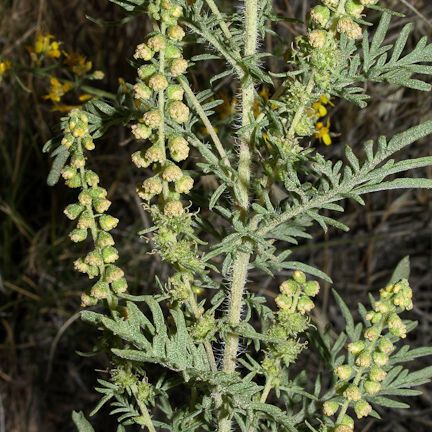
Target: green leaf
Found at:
x=401, y=183
x=350, y=327
x=57, y=166
x=81, y=422
x=402, y=271
x=296, y=265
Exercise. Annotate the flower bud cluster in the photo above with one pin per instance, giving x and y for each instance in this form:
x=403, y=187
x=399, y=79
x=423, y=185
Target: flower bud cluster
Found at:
x=90, y=212
x=294, y=303
x=162, y=98
x=361, y=378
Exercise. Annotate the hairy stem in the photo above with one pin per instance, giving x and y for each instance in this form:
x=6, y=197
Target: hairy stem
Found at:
x=241, y=261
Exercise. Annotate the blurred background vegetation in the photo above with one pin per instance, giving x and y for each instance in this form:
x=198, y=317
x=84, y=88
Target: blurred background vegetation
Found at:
x=55, y=55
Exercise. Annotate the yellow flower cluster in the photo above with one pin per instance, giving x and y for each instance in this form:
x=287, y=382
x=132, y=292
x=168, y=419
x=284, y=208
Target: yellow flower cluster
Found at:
x=322, y=129
x=57, y=89
x=45, y=45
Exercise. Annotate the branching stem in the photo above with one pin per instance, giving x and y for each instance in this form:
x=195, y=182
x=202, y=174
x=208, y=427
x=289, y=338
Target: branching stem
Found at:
x=241, y=261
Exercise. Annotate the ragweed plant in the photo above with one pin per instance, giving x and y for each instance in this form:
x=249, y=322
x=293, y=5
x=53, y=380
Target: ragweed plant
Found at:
x=272, y=186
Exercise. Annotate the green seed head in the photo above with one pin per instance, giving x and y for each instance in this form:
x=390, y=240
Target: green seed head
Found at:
x=362, y=409
x=178, y=66
x=108, y=222
x=140, y=131
x=184, y=185
x=178, y=111
x=330, y=408
x=109, y=254
x=344, y=372
x=119, y=286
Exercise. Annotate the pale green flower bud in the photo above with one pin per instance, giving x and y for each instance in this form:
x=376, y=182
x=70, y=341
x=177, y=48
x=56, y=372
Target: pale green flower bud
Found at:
x=85, y=198
x=352, y=393
x=371, y=387
x=343, y=428
x=385, y=345
x=175, y=32
x=113, y=273
x=184, y=185
x=354, y=8
x=178, y=111
x=173, y=209
x=88, y=143
x=110, y=254
x=372, y=334
x=92, y=179
x=72, y=211
x=317, y=38
x=108, y=222
x=299, y=277
x=330, y=408
x=101, y=205
x=380, y=359
x=94, y=258
x=97, y=192
x=139, y=160
x=142, y=91
x=362, y=409
x=178, y=66
x=305, y=305
x=172, y=173
x=320, y=15
x=152, y=119
x=356, y=347
x=81, y=266
x=283, y=302
x=179, y=148
x=377, y=374
x=144, y=393
x=168, y=19
x=331, y=3
x=104, y=239
x=157, y=43
x=176, y=11
x=344, y=372
x=74, y=182
x=311, y=288
x=204, y=327
x=78, y=235
x=87, y=301
x=67, y=141
x=85, y=220
x=146, y=71
x=347, y=421
x=68, y=172
x=143, y=52
x=140, y=131
x=100, y=290
x=368, y=2
x=364, y=359
x=152, y=186
x=119, y=286
x=158, y=82
x=289, y=287
x=350, y=28
x=396, y=326
x=155, y=154
x=78, y=160
x=175, y=92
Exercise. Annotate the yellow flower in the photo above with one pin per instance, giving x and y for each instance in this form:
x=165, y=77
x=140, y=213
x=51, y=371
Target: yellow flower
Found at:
x=45, y=44
x=85, y=97
x=78, y=63
x=57, y=89
x=319, y=106
x=5, y=65
x=264, y=95
x=227, y=108
x=322, y=132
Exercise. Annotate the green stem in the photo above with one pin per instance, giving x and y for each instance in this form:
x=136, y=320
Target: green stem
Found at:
x=222, y=24
x=359, y=374
x=205, y=120
x=146, y=415
x=241, y=260
x=248, y=98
